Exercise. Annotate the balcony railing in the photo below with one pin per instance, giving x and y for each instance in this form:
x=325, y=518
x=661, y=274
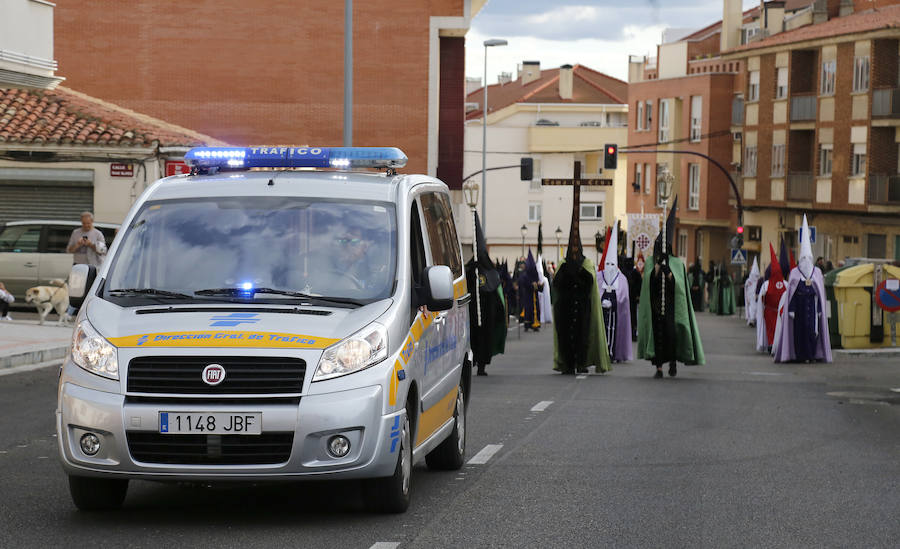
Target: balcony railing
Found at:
x=884, y=189
x=737, y=111
x=800, y=187
x=886, y=102
x=803, y=107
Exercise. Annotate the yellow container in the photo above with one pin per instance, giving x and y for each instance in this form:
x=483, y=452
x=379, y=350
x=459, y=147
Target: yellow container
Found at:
x=853, y=291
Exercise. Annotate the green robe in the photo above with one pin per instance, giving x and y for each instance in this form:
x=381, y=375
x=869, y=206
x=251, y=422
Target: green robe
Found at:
x=597, y=352
x=726, y=305
x=690, y=348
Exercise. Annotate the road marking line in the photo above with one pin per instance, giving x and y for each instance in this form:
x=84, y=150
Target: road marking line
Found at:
x=386, y=545
x=581, y=377
x=764, y=374
x=541, y=406
x=485, y=454
x=896, y=389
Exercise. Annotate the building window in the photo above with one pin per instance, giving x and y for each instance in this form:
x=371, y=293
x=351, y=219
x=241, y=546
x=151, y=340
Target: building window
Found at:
x=858, y=166
x=825, y=152
x=661, y=171
x=535, y=185
x=693, y=186
x=648, y=115
x=828, y=70
x=777, y=160
x=663, y=120
x=637, y=175
x=682, y=244
x=781, y=83
x=749, y=166
x=534, y=212
x=696, y=117
x=753, y=91
x=648, y=178
x=861, y=73
x=640, y=116
x=592, y=210
x=876, y=246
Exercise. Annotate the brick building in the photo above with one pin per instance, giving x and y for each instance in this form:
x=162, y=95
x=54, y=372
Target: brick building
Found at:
x=272, y=73
x=820, y=130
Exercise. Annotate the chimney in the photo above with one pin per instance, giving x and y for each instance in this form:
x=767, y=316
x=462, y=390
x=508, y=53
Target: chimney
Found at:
x=504, y=78
x=473, y=83
x=820, y=11
x=772, y=14
x=530, y=71
x=846, y=8
x=565, y=82
x=732, y=20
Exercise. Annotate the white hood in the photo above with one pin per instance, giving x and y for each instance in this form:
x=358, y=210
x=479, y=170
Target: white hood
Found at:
x=754, y=271
x=611, y=263
x=805, y=261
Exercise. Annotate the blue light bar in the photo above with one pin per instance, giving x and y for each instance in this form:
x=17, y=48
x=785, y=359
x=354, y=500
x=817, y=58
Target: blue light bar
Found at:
x=242, y=158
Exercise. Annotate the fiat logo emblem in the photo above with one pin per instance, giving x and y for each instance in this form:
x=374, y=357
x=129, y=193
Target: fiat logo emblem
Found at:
x=213, y=374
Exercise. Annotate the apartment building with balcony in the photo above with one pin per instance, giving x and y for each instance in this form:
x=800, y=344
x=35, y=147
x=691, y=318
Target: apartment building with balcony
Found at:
x=556, y=117
x=818, y=111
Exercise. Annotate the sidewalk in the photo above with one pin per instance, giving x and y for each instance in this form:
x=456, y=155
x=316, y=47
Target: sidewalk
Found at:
x=25, y=342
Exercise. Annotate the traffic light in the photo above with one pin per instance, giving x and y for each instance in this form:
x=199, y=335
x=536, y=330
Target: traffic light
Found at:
x=737, y=241
x=610, y=156
x=526, y=169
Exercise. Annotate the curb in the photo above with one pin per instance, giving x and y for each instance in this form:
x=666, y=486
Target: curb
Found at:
x=34, y=356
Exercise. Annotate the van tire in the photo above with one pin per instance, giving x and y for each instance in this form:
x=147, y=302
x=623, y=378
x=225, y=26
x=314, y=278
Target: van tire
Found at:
x=450, y=454
x=97, y=494
x=391, y=494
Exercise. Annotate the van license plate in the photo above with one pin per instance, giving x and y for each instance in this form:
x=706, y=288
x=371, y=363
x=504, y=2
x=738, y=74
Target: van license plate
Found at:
x=210, y=423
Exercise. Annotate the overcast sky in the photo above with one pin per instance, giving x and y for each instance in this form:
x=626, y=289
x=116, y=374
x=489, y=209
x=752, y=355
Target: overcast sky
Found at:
x=600, y=34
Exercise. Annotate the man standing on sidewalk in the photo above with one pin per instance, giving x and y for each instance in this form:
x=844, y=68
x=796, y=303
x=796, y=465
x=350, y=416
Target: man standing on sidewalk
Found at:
x=87, y=243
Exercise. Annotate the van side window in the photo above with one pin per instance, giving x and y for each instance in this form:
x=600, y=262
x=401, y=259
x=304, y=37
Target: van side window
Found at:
x=57, y=239
x=20, y=239
x=417, y=256
x=441, y=232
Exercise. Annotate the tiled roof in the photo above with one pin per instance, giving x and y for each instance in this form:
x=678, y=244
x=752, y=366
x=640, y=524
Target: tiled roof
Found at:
x=874, y=19
x=588, y=86
x=790, y=6
x=66, y=117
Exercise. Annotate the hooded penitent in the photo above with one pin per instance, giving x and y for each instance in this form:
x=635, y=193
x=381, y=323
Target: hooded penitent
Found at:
x=696, y=283
x=488, y=337
x=614, y=301
x=544, y=295
x=667, y=329
x=529, y=295
x=804, y=325
x=770, y=296
x=750, y=294
x=578, y=332
x=721, y=300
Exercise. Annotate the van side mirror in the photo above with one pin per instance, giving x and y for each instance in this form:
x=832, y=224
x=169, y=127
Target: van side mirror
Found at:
x=81, y=278
x=438, y=287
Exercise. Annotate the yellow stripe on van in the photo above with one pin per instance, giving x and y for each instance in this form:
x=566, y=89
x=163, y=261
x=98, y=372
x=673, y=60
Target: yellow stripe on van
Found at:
x=460, y=289
x=416, y=329
x=216, y=338
x=437, y=415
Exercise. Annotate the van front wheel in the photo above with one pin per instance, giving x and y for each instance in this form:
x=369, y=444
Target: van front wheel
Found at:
x=450, y=454
x=97, y=494
x=391, y=494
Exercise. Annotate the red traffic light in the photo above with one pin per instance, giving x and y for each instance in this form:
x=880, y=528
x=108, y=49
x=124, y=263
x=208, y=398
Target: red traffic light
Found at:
x=740, y=230
x=610, y=150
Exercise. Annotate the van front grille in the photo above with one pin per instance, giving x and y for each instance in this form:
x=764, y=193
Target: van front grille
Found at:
x=244, y=375
x=264, y=449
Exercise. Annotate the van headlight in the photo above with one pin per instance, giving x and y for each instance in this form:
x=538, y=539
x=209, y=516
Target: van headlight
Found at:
x=93, y=353
x=363, y=349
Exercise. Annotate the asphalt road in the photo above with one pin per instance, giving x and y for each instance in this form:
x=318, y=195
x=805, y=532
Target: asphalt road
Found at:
x=737, y=453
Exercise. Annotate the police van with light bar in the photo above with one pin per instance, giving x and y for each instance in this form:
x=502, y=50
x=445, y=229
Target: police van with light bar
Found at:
x=304, y=321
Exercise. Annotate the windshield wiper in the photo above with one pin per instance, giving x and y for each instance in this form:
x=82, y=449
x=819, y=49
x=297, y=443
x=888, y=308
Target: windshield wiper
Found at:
x=148, y=291
x=241, y=292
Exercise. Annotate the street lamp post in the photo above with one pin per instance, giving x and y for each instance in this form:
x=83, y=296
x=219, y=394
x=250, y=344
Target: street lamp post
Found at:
x=524, y=231
x=484, y=112
x=558, y=247
x=470, y=190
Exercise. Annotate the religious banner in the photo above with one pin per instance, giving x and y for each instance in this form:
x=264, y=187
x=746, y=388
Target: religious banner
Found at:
x=642, y=231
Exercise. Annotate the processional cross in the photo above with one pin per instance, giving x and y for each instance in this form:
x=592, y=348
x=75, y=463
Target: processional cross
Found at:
x=574, y=251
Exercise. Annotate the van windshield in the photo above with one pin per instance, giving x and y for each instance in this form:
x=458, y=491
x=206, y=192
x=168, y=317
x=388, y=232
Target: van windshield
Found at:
x=255, y=248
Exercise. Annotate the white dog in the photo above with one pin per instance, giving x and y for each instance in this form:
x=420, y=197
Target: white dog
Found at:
x=48, y=298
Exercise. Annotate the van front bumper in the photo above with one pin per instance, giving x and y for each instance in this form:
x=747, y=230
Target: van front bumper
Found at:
x=303, y=430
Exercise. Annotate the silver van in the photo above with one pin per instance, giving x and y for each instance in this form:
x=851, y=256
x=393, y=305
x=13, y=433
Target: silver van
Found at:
x=284, y=324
